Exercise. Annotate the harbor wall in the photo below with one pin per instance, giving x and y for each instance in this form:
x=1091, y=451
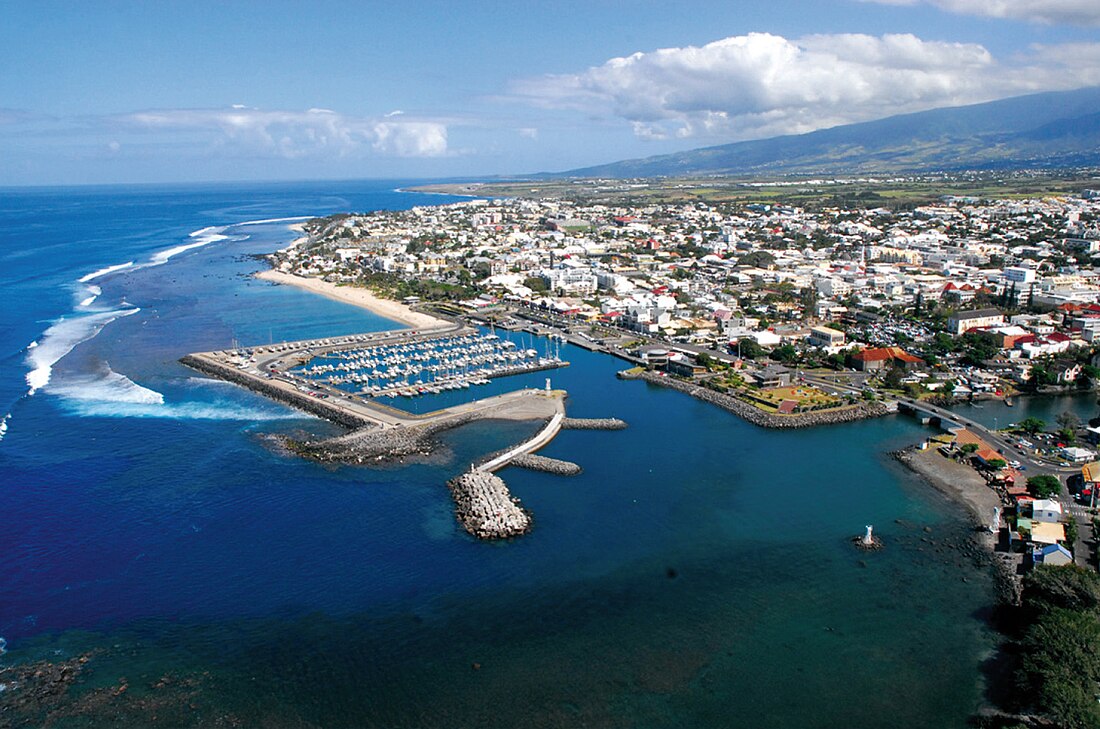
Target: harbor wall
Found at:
x=755, y=415
x=281, y=392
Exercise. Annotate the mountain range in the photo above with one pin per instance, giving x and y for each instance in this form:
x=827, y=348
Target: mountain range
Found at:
x=1047, y=130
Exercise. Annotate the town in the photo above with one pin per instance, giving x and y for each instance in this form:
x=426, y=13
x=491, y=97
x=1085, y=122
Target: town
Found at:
x=788, y=315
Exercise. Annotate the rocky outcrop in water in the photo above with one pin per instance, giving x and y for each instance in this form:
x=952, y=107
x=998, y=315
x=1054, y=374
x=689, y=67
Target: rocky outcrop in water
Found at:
x=755, y=415
x=555, y=466
x=485, y=507
x=592, y=424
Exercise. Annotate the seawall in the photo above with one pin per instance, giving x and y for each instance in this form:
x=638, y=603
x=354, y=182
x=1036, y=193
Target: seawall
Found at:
x=285, y=395
x=755, y=415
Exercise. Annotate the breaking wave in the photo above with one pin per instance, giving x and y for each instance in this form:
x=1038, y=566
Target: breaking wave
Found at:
x=104, y=271
x=202, y=237
x=60, y=339
x=110, y=394
x=276, y=220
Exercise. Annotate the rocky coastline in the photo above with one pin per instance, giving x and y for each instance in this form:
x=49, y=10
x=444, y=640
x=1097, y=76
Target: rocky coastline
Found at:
x=755, y=415
x=961, y=484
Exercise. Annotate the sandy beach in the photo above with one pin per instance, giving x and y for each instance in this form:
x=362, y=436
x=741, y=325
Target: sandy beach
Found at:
x=392, y=310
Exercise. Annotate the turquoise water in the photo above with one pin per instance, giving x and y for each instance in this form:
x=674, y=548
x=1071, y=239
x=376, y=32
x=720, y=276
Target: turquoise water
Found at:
x=698, y=573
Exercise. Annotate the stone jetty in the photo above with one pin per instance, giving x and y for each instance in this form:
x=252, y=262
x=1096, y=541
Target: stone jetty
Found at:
x=379, y=445
x=533, y=462
x=593, y=424
x=755, y=415
x=485, y=507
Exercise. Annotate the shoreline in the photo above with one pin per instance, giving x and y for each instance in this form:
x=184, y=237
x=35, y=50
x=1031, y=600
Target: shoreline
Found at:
x=356, y=296
x=962, y=485
x=756, y=416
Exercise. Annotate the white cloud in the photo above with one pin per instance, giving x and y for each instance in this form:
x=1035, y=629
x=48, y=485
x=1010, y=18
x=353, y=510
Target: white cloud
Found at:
x=293, y=134
x=1068, y=12
x=761, y=85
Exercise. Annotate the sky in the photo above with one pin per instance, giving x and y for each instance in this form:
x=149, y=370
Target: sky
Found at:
x=98, y=92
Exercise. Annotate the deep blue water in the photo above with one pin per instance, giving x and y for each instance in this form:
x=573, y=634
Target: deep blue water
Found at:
x=698, y=573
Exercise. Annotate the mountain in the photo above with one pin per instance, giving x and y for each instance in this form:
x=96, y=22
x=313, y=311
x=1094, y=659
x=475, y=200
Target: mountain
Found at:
x=1055, y=129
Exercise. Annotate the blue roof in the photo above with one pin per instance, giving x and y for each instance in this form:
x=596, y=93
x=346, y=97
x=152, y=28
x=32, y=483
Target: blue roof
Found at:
x=1053, y=548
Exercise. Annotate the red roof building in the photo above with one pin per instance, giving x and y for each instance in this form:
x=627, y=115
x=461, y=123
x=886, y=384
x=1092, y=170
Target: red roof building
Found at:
x=870, y=360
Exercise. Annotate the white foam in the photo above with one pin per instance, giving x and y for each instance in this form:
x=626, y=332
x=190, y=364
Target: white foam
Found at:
x=3, y=432
x=104, y=271
x=108, y=394
x=276, y=220
x=60, y=339
x=203, y=237
x=106, y=387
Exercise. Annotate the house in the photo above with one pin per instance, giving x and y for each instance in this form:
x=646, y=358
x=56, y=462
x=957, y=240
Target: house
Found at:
x=963, y=321
x=1039, y=532
x=1046, y=510
x=1052, y=554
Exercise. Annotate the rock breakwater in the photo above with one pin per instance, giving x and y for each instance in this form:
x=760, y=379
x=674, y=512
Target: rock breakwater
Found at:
x=555, y=466
x=593, y=424
x=299, y=400
x=485, y=507
x=376, y=445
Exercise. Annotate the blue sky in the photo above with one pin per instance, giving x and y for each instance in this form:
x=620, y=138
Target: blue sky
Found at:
x=96, y=92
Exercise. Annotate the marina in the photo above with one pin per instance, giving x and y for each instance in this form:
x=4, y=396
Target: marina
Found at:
x=344, y=379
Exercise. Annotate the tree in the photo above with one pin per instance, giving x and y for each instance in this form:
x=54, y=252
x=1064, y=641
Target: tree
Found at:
x=969, y=448
x=786, y=353
x=1070, y=423
x=1031, y=426
x=1040, y=377
x=1068, y=420
x=536, y=284
x=892, y=379
x=748, y=348
x=1044, y=486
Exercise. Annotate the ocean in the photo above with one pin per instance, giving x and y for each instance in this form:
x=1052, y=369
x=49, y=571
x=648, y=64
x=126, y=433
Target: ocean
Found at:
x=698, y=573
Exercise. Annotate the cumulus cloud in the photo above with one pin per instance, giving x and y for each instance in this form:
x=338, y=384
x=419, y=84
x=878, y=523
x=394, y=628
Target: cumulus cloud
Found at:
x=761, y=84
x=1067, y=12
x=294, y=134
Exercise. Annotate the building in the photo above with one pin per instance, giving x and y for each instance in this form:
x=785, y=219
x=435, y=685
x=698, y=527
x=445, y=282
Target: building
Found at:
x=963, y=321
x=1078, y=455
x=772, y=376
x=1019, y=275
x=1046, y=510
x=1053, y=554
x=872, y=360
x=825, y=337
